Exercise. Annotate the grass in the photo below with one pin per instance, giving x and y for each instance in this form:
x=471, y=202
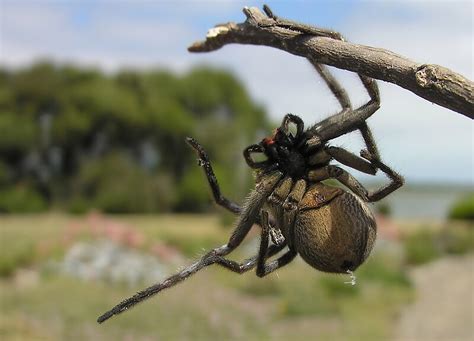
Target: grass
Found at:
x=297, y=302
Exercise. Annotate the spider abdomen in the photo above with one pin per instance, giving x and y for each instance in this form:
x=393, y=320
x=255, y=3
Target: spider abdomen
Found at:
x=335, y=234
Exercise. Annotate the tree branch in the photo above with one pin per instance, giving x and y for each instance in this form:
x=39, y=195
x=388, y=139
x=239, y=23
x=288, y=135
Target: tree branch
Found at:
x=434, y=83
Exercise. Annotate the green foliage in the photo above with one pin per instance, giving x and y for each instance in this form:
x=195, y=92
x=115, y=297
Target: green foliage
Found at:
x=457, y=240
x=4, y=174
x=61, y=124
x=426, y=244
x=307, y=299
x=21, y=199
x=384, y=209
x=117, y=185
x=386, y=270
x=19, y=132
x=21, y=255
x=193, y=191
x=421, y=247
x=463, y=209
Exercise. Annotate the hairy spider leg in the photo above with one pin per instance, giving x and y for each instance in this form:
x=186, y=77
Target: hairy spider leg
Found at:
x=264, y=268
x=349, y=159
x=396, y=179
x=297, y=121
x=254, y=149
x=356, y=162
x=338, y=91
x=347, y=120
x=369, y=141
x=294, y=26
x=285, y=199
x=250, y=211
x=345, y=178
x=249, y=263
x=205, y=163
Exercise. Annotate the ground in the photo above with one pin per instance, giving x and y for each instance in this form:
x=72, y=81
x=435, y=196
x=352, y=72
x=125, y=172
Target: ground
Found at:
x=39, y=301
x=444, y=305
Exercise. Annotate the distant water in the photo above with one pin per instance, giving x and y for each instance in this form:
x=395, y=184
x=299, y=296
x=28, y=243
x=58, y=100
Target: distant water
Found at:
x=424, y=201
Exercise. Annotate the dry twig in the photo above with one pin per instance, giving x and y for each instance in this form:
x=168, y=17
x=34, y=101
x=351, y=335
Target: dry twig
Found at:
x=434, y=83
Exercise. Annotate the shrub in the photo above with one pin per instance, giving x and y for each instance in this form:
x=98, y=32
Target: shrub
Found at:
x=116, y=184
x=384, y=209
x=193, y=192
x=386, y=270
x=21, y=199
x=307, y=299
x=21, y=255
x=426, y=245
x=457, y=240
x=463, y=209
x=421, y=247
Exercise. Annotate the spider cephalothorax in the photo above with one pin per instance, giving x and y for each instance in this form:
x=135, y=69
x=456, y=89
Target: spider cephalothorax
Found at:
x=331, y=228
x=283, y=150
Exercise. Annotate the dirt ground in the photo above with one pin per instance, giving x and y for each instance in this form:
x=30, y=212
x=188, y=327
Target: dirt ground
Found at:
x=444, y=305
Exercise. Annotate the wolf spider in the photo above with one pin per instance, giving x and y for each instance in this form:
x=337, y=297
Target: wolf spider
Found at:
x=332, y=229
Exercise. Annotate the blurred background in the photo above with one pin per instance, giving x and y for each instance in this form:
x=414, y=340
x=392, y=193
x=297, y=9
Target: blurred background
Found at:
x=100, y=196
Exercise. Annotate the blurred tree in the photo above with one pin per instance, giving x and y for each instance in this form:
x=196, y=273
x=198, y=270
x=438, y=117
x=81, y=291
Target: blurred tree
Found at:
x=78, y=138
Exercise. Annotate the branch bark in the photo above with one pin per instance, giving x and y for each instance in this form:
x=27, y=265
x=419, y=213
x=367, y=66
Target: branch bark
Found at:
x=432, y=82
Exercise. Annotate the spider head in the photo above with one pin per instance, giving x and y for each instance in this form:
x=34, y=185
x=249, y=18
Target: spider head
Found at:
x=283, y=150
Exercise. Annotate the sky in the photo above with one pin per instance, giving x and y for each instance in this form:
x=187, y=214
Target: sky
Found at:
x=424, y=142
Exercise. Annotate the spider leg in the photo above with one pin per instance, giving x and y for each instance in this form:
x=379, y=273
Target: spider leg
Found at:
x=263, y=268
x=246, y=219
x=252, y=206
x=347, y=120
x=369, y=141
x=345, y=178
x=349, y=159
x=336, y=88
x=294, y=26
x=298, y=122
x=140, y=296
x=250, y=263
x=396, y=179
x=205, y=163
x=254, y=149
x=334, y=172
x=338, y=91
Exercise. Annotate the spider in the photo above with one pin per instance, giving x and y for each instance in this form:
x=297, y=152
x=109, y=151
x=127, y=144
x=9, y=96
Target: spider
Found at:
x=331, y=228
